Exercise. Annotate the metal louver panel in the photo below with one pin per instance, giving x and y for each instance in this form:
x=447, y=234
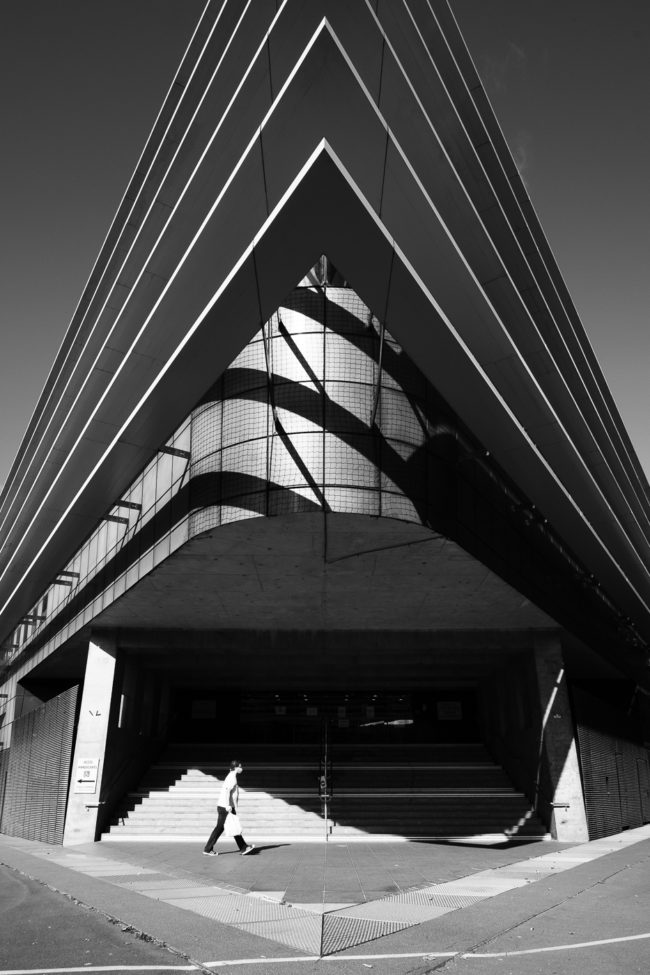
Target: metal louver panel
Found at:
x=615, y=769
x=38, y=771
x=643, y=775
x=4, y=768
x=600, y=779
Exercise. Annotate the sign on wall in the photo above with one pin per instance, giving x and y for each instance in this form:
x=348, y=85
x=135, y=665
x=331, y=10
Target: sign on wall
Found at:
x=85, y=776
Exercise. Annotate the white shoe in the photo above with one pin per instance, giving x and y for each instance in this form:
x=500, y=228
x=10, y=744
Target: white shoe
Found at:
x=251, y=846
x=210, y=853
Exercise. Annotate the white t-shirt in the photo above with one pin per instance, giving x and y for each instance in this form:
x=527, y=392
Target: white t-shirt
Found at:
x=225, y=799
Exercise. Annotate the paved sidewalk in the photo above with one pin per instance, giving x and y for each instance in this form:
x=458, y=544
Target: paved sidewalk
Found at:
x=307, y=901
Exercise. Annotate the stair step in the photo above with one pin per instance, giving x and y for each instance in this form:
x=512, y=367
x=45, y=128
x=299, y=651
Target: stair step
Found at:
x=435, y=790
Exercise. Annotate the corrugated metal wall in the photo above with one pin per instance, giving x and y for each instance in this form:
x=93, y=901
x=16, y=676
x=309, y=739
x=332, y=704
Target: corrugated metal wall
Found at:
x=4, y=768
x=615, y=767
x=37, y=771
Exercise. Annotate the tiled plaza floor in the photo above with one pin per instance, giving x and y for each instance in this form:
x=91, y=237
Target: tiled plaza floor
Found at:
x=312, y=898
x=323, y=873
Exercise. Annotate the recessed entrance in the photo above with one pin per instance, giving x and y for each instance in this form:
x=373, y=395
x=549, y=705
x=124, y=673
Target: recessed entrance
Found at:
x=329, y=764
x=298, y=716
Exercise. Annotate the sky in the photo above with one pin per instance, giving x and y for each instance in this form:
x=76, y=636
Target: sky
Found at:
x=82, y=83
x=569, y=81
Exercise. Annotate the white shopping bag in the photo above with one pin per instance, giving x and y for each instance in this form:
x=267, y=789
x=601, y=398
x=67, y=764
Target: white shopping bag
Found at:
x=232, y=825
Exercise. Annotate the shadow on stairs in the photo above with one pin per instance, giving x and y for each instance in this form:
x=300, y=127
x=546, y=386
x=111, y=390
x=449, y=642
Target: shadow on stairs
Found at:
x=379, y=792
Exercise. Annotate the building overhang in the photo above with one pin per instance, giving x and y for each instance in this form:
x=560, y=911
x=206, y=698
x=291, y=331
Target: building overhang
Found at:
x=329, y=169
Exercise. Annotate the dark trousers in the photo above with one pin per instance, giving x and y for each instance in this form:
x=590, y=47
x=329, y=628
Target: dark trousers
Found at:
x=218, y=830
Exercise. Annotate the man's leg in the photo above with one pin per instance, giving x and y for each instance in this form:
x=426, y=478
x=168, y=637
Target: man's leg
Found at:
x=218, y=829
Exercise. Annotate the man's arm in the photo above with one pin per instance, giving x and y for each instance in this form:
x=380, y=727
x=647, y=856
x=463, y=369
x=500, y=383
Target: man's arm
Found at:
x=231, y=798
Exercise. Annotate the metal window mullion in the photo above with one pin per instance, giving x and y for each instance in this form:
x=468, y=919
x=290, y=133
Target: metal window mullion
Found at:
x=324, y=399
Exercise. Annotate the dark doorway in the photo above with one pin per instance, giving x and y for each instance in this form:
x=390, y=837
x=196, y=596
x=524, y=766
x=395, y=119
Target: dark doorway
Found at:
x=291, y=716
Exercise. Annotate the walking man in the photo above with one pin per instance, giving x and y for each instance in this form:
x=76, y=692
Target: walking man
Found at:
x=228, y=802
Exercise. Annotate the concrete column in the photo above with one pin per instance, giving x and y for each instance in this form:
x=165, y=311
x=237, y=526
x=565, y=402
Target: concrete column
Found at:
x=8, y=693
x=90, y=745
x=558, y=777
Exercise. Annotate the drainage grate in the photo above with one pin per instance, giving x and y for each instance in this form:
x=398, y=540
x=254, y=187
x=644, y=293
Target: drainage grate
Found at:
x=340, y=933
x=430, y=896
x=398, y=911
x=303, y=933
x=453, y=901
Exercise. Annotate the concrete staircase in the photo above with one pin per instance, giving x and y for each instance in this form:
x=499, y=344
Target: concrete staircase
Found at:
x=379, y=792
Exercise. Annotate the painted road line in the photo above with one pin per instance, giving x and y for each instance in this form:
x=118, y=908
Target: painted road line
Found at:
x=100, y=968
x=425, y=955
x=389, y=956
x=537, y=951
x=227, y=963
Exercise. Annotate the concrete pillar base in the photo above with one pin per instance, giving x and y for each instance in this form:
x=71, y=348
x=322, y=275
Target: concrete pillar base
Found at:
x=559, y=779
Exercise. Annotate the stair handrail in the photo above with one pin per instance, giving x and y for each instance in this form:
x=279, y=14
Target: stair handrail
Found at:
x=325, y=776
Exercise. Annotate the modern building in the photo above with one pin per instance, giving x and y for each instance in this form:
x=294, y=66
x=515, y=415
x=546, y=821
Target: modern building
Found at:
x=325, y=474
